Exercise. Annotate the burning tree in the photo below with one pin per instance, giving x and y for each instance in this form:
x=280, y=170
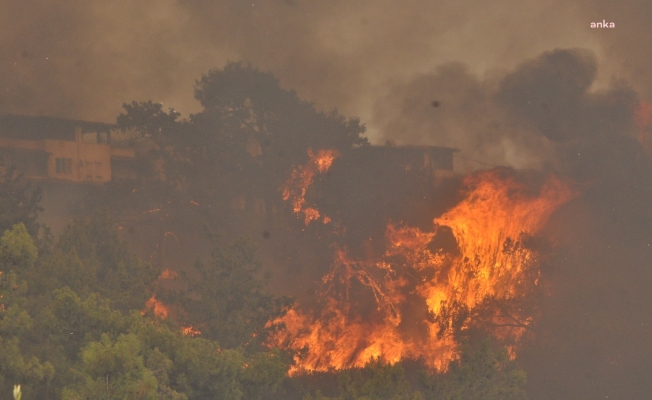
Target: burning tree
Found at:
x=409, y=303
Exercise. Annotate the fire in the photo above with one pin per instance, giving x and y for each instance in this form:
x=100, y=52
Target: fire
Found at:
x=301, y=179
x=489, y=225
x=190, y=331
x=160, y=310
x=409, y=303
x=168, y=274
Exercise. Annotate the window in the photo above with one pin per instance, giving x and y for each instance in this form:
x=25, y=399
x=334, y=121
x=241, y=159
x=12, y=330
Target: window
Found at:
x=98, y=170
x=63, y=165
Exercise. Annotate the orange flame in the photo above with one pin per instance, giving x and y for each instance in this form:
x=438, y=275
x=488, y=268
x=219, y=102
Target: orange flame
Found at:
x=168, y=274
x=160, y=310
x=402, y=305
x=302, y=177
x=190, y=331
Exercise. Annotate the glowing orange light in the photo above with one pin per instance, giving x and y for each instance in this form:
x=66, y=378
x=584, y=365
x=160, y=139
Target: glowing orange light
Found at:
x=160, y=310
x=302, y=177
x=493, y=265
x=168, y=274
x=190, y=331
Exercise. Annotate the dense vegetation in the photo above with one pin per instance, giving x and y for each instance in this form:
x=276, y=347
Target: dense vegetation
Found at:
x=73, y=321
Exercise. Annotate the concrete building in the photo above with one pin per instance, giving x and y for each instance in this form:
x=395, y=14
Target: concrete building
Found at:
x=44, y=148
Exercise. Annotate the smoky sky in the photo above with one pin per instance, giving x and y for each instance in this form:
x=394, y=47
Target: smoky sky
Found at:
x=83, y=59
x=524, y=83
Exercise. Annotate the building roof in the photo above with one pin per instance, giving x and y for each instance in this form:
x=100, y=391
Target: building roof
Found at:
x=38, y=128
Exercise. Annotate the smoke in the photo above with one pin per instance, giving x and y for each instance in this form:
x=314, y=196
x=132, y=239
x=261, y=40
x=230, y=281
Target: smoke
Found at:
x=84, y=59
x=543, y=113
x=592, y=327
x=455, y=108
x=592, y=338
x=622, y=46
x=481, y=76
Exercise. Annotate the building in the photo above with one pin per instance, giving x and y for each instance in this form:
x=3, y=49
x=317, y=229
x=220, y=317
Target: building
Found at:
x=45, y=148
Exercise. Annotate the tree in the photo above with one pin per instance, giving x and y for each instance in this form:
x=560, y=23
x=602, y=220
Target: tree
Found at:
x=201, y=369
x=82, y=317
x=17, y=252
x=264, y=373
x=89, y=258
x=378, y=380
x=252, y=132
x=19, y=202
x=17, y=249
x=228, y=301
x=482, y=372
x=114, y=369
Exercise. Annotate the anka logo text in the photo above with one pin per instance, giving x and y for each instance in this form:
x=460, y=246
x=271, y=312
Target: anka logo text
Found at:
x=603, y=24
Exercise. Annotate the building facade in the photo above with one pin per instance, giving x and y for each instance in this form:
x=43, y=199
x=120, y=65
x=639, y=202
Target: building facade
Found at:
x=44, y=148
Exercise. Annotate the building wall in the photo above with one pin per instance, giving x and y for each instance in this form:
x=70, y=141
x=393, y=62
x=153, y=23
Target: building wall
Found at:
x=79, y=161
x=66, y=160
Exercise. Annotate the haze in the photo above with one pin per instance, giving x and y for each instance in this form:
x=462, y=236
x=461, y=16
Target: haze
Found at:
x=83, y=59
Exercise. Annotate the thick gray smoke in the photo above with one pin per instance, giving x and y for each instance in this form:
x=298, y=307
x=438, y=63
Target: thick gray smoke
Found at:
x=83, y=59
x=453, y=107
x=542, y=113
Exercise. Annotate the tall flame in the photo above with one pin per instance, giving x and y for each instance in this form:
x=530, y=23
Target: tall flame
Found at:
x=301, y=179
x=405, y=304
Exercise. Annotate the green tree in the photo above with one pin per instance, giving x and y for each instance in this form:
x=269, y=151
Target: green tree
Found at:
x=66, y=325
x=19, y=202
x=201, y=369
x=89, y=258
x=482, y=372
x=17, y=249
x=228, y=301
x=160, y=365
x=264, y=373
x=16, y=365
x=376, y=381
x=114, y=369
x=82, y=327
x=208, y=372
